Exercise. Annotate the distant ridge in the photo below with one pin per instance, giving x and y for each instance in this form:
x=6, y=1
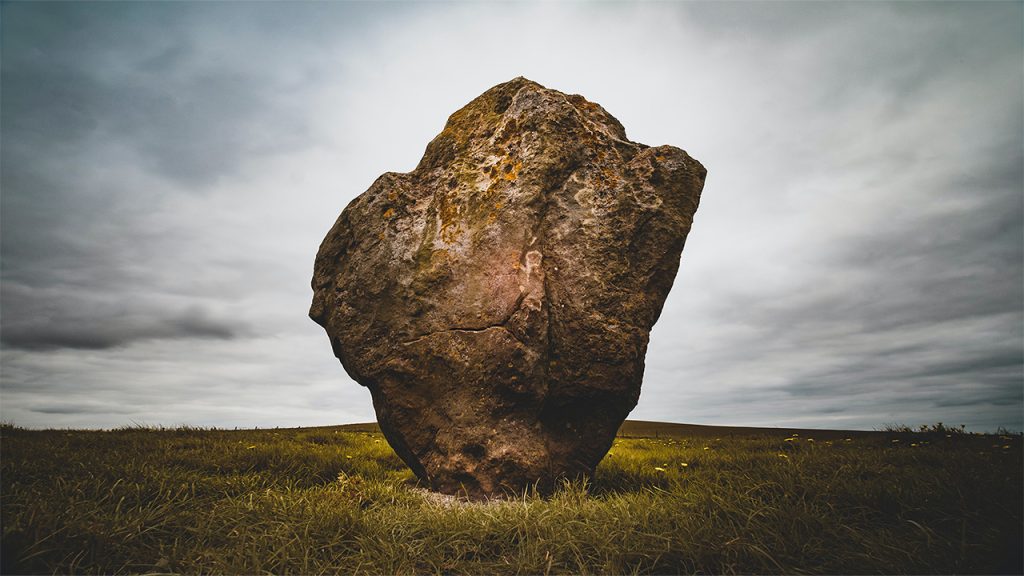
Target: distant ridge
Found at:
x=646, y=429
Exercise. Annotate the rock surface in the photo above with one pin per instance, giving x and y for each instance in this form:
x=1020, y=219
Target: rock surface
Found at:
x=497, y=300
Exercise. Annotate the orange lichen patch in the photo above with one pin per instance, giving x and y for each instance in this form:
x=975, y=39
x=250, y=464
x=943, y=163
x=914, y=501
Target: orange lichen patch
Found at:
x=580, y=101
x=449, y=217
x=389, y=213
x=471, y=200
x=511, y=170
x=609, y=176
x=450, y=231
x=464, y=126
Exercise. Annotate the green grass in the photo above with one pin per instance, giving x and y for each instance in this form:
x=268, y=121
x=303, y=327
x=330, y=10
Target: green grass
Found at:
x=335, y=500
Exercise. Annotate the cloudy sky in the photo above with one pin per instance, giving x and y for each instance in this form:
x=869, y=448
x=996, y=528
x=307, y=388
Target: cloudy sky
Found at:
x=169, y=169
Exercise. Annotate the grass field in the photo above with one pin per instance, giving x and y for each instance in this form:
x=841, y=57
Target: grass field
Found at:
x=666, y=499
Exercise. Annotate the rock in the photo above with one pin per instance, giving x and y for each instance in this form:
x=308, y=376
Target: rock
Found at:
x=497, y=300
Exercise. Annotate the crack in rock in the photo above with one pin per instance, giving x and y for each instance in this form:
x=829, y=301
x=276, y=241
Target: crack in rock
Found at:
x=464, y=330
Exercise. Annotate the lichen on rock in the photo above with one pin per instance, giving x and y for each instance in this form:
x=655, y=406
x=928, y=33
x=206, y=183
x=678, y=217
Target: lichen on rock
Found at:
x=497, y=300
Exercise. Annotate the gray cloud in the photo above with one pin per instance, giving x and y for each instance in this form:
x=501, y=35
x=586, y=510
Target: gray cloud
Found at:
x=891, y=280
x=106, y=118
x=87, y=328
x=77, y=409
x=188, y=106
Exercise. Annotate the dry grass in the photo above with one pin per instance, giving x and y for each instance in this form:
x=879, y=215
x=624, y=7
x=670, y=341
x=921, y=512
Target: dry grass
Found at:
x=330, y=500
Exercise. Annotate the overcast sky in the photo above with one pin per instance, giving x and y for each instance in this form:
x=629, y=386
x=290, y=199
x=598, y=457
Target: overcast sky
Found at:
x=169, y=170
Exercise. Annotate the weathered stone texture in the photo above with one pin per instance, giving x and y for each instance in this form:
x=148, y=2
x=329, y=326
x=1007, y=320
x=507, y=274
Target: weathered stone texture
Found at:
x=497, y=300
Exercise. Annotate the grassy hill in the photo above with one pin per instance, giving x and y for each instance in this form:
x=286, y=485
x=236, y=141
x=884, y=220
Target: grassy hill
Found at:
x=668, y=498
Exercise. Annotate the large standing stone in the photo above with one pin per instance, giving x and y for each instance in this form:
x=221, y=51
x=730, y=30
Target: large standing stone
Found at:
x=497, y=299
